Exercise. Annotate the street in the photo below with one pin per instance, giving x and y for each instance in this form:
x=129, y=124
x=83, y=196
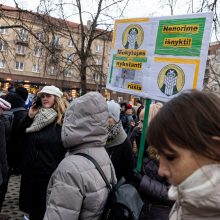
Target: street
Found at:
x=10, y=205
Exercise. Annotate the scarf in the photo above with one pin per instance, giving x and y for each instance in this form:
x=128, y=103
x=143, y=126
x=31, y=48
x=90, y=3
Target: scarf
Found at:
x=113, y=131
x=44, y=117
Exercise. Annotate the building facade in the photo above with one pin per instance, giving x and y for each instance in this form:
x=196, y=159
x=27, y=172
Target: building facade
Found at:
x=212, y=74
x=34, y=54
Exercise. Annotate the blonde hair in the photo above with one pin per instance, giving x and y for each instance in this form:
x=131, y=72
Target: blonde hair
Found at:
x=60, y=108
x=154, y=109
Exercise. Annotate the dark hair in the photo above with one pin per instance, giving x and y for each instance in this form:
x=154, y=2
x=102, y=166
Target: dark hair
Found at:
x=22, y=92
x=124, y=104
x=189, y=121
x=133, y=29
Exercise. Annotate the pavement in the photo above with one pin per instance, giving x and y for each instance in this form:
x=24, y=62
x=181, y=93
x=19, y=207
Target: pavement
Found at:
x=10, y=208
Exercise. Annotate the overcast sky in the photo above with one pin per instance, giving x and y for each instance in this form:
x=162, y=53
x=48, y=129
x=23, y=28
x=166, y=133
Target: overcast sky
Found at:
x=135, y=8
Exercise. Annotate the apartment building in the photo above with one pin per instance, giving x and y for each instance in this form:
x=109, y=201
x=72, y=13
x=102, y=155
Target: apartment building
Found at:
x=212, y=74
x=34, y=54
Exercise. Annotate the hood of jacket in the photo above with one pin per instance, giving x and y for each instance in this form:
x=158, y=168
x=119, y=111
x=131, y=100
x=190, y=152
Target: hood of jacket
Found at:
x=15, y=100
x=199, y=194
x=85, y=122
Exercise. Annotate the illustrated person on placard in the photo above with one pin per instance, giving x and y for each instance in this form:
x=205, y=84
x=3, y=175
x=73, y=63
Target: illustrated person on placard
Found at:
x=170, y=80
x=132, y=39
x=123, y=76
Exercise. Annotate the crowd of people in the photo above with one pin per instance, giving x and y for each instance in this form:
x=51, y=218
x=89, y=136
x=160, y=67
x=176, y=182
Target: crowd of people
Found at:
x=179, y=178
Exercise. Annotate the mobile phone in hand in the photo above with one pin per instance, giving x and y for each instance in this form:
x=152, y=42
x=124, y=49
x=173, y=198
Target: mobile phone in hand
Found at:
x=37, y=102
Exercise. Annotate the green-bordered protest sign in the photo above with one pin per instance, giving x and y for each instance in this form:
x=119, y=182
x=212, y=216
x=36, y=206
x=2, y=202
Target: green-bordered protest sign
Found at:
x=180, y=37
x=159, y=57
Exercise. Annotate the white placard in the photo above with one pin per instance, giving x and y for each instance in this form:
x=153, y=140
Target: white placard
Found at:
x=159, y=57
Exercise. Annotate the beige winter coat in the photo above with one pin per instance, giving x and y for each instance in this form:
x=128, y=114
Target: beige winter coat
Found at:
x=198, y=197
x=76, y=189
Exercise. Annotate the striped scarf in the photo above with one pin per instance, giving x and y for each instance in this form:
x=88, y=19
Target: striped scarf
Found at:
x=44, y=117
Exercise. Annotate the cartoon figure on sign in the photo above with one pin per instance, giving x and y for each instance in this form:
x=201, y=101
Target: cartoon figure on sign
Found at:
x=123, y=76
x=132, y=37
x=171, y=79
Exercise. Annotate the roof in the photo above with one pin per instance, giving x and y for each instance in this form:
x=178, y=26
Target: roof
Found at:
x=36, y=17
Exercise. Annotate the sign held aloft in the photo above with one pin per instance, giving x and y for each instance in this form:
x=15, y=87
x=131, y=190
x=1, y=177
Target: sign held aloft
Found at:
x=159, y=57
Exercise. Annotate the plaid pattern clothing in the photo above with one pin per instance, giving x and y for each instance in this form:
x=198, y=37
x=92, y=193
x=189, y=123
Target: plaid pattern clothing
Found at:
x=44, y=117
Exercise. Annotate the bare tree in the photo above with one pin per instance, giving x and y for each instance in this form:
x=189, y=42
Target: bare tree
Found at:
x=212, y=75
x=171, y=4
x=96, y=27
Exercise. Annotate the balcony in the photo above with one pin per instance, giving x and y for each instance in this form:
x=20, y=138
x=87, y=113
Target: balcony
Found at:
x=20, y=53
x=57, y=47
x=22, y=41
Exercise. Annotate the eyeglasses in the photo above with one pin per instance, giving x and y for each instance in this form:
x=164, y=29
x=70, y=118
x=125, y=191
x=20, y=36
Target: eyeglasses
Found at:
x=45, y=95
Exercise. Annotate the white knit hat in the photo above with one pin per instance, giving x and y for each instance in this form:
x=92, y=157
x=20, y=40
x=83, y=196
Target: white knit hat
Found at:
x=52, y=90
x=114, y=110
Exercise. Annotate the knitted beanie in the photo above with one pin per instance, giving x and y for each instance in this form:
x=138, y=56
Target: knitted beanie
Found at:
x=114, y=110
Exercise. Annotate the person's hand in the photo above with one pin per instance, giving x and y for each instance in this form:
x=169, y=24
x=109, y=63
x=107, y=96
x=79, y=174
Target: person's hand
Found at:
x=136, y=178
x=132, y=123
x=34, y=109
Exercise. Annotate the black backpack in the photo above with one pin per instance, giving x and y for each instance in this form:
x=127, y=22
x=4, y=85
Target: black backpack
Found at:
x=9, y=115
x=124, y=202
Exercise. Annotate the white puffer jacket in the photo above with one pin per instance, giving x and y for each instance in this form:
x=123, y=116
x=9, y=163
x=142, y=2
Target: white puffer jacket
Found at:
x=76, y=189
x=198, y=197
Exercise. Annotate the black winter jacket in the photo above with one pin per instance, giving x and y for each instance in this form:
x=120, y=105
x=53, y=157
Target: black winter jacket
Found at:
x=122, y=159
x=15, y=145
x=4, y=126
x=43, y=152
x=154, y=192
x=153, y=188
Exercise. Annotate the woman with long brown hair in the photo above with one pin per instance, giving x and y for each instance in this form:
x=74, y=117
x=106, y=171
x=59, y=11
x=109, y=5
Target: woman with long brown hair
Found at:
x=186, y=134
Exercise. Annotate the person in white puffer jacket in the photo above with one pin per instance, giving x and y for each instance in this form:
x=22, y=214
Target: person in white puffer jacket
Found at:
x=76, y=189
x=186, y=133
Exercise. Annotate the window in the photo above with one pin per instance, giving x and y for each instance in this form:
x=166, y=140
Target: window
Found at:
x=96, y=76
x=85, y=44
x=4, y=31
x=52, y=70
x=56, y=40
x=70, y=57
x=217, y=57
x=70, y=43
x=36, y=68
x=19, y=65
x=20, y=49
x=98, y=61
x=2, y=63
x=98, y=48
x=215, y=87
x=208, y=62
x=38, y=51
x=68, y=73
x=23, y=35
x=41, y=36
x=3, y=45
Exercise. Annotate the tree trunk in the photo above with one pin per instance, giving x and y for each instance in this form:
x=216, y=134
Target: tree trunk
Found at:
x=83, y=79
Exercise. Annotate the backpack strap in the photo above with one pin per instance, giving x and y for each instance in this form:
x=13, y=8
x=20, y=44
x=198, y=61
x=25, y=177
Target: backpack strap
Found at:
x=18, y=109
x=98, y=168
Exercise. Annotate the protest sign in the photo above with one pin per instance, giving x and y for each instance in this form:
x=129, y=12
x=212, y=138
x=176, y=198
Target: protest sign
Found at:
x=159, y=57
